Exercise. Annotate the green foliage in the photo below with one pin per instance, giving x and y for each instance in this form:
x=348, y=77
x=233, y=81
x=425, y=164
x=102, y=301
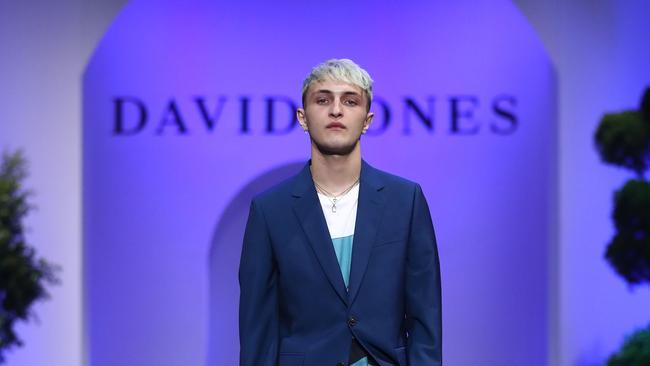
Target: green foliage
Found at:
x=629, y=251
x=635, y=351
x=623, y=139
x=22, y=275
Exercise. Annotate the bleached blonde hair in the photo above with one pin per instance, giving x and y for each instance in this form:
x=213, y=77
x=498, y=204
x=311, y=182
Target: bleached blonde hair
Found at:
x=344, y=70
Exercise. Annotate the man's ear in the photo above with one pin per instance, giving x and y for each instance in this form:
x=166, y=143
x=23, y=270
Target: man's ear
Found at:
x=300, y=113
x=367, y=121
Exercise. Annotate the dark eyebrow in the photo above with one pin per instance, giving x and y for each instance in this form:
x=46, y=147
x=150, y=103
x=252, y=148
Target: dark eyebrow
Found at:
x=323, y=91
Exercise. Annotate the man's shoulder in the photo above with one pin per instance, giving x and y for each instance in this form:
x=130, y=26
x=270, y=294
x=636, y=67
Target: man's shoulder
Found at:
x=391, y=180
x=278, y=191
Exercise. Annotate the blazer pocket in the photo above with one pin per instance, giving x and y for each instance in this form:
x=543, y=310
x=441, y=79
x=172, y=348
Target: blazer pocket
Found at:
x=389, y=242
x=291, y=359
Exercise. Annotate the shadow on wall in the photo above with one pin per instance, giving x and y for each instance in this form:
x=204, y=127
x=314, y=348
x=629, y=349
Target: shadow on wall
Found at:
x=225, y=250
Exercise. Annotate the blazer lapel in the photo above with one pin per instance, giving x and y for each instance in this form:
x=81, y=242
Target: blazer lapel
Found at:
x=310, y=215
x=369, y=210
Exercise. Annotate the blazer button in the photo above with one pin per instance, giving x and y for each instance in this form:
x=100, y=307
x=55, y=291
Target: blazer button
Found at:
x=340, y=364
x=352, y=321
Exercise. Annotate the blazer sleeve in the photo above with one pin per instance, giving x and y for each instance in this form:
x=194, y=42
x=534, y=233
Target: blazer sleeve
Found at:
x=258, y=301
x=423, y=290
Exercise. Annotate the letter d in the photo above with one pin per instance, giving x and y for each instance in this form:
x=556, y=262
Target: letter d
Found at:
x=119, y=114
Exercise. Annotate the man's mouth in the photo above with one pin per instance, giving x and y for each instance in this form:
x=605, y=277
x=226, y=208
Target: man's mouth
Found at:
x=336, y=125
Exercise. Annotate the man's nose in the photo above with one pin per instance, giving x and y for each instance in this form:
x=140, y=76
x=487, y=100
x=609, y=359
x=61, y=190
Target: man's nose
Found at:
x=336, y=110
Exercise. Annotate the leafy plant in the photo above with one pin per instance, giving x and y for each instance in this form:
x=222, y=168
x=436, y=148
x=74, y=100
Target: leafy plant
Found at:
x=623, y=139
x=635, y=350
x=22, y=276
x=629, y=251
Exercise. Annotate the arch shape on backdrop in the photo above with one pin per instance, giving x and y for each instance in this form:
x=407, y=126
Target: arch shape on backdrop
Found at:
x=186, y=103
x=224, y=266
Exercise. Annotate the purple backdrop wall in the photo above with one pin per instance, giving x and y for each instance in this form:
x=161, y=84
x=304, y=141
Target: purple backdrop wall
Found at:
x=188, y=112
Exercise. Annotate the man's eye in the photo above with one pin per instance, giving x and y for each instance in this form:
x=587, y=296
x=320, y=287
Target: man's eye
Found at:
x=321, y=100
x=351, y=102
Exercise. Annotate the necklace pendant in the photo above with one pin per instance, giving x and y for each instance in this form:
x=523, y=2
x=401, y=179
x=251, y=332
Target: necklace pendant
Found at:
x=334, y=208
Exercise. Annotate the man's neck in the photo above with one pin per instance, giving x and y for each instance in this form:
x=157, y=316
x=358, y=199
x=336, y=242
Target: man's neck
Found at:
x=335, y=173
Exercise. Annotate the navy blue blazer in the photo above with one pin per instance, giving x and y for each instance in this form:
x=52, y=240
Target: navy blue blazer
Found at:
x=294, y=307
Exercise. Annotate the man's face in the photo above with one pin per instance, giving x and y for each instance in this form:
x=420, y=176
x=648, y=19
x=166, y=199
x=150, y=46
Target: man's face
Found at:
x=335, y=115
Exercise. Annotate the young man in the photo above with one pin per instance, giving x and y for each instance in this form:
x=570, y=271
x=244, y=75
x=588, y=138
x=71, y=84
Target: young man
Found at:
x=339, y=263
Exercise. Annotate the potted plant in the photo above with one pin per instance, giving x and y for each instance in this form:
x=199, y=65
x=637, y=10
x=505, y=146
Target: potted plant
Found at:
x=23, y=276
x=623, y=139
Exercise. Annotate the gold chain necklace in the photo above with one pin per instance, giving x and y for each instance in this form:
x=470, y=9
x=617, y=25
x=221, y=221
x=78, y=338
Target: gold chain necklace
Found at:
x=334, y=198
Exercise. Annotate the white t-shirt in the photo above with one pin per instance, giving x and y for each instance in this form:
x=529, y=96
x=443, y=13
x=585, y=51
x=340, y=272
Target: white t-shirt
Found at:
x=341, y=226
